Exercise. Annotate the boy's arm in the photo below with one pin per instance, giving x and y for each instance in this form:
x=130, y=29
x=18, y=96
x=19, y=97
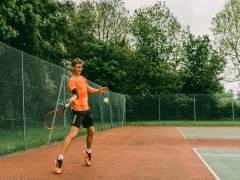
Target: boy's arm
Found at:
x=95, y=91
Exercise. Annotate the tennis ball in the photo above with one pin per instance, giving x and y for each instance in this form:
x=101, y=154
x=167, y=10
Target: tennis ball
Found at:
x=105, y=100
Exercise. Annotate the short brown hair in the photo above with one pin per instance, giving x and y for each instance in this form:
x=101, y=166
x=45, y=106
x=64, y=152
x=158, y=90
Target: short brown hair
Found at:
x=77, y=61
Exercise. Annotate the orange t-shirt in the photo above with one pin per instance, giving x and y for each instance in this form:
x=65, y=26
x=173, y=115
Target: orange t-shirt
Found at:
x=81, y=84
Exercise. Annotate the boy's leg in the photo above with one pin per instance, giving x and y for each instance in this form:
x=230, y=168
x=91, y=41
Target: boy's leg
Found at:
x=89, y=139
x=73, y=133
x=58, y=162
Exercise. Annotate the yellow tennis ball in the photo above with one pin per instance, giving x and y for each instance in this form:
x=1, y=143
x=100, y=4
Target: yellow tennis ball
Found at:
x=105, y=100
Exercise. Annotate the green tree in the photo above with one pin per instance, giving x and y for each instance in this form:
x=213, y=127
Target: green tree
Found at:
x=37, y=27
x=156, y=37
x=225, y=28
x=81, y=32
x=102, y=65
x=10, y=14
x=112, y=19
x=105, y=59
x=202, y=67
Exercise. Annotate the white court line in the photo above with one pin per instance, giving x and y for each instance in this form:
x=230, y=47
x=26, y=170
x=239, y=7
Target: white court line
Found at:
x=218, y=148
x=210, y=169
x=181, y=132
x=218, y=155
x=214, y=136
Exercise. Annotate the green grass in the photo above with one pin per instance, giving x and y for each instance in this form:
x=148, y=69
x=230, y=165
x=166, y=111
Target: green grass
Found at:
x=14, y=140
x=184, y=123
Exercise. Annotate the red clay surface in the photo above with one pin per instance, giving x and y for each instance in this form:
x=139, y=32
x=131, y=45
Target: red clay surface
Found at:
x=126, y=153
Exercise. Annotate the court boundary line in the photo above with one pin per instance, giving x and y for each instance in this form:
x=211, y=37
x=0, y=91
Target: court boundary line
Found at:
x=207, y=136
x=226, y=149
x=212, y=137
x=220, y=155
x=181, y=132
x=209, y=168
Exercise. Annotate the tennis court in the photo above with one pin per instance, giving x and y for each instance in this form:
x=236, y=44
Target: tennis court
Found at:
x=223, y=163
x=210, y=132
x=131, y=152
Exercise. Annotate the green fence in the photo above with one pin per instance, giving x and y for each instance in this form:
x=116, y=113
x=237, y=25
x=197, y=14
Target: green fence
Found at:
x=179, y=107
x=29, y=88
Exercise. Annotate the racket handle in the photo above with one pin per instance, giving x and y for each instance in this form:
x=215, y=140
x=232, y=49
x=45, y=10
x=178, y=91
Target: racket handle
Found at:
x=67, y=105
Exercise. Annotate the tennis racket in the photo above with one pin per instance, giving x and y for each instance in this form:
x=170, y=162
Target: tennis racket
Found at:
x=54, y=118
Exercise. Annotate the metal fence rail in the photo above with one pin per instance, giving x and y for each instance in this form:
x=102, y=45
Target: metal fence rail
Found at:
x=184, y=107
x=29, y=88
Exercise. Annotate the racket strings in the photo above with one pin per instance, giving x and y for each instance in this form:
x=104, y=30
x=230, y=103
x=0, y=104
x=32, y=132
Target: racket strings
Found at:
x=52, y=120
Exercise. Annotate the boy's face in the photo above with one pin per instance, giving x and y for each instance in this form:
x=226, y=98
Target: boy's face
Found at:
x=77, y=69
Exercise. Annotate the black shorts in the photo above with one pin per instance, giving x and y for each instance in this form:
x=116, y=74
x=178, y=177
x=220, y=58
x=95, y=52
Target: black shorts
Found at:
x=82, y=117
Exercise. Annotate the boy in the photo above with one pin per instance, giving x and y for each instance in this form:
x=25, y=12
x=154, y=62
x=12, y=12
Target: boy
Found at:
x=81, y=112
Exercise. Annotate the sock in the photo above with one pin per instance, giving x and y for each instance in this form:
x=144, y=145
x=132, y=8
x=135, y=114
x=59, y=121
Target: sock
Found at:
x=60, y=157
x=88, y=150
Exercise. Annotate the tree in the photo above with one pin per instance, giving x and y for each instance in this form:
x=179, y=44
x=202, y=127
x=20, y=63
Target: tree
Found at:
x=10, y=14
x=156, y=36
x=102, y=66
x=105, y=58
x=112, y=19
x=202, y=67
x=38, y=27
x=226, y=33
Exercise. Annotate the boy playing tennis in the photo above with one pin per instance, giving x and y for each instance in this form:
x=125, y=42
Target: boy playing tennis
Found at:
x=81, y=112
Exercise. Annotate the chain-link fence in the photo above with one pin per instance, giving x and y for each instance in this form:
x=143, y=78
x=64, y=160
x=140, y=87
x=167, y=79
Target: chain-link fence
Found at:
x=216, y=108
x=31, y=87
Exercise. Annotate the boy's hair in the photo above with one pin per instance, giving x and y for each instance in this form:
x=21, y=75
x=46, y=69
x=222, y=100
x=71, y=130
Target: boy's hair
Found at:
x=77, y=61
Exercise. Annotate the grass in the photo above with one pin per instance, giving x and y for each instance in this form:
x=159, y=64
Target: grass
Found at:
x=184, y=123
x=15, y=140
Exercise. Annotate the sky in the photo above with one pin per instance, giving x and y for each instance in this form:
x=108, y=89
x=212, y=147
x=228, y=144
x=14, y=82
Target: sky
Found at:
x=197, y=14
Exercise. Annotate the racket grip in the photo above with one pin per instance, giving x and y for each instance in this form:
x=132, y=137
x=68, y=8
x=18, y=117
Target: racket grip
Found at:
x=67, y=105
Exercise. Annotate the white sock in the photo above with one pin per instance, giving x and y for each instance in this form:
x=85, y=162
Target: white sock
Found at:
x=88, y=150
x=60, y=157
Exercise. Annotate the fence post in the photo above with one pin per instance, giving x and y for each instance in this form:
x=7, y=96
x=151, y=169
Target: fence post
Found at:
x=110, y=109
x=233, y=112
x=159, y=110
x=23, y=110
x=194, y=110
x=64, y=101
x=124, y=111
x=101, y=111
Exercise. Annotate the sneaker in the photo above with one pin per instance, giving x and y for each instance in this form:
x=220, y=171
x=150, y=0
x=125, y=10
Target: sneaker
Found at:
x=87, y=157
x=58, y=166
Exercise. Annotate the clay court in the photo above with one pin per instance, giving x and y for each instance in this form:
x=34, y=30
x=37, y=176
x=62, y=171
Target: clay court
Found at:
x=130, y=152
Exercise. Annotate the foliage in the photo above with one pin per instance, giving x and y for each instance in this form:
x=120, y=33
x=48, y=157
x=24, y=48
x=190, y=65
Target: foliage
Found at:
x=202, y=67
x=145, y=53
x=226, y=32
x=103, y=67
x=155, y=35
x=111, y=21
x=103, y=53
x=10, y=14
x=38, y=27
